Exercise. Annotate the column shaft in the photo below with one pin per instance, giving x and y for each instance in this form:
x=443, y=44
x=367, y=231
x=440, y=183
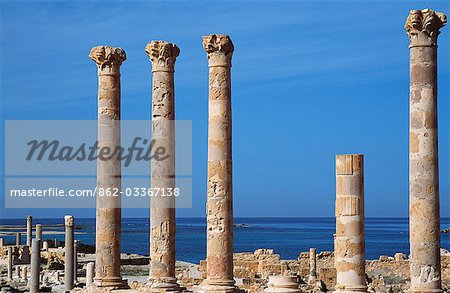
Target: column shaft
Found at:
x=18, y=238
x=24, y=273
x=35, y=265
x=39, y=231
x=219, y=206
x=75, y=260
x=162, y=211
x=68, y=253
x=29, y=230
x=424, y=220
x=312, y=267
x=90, y=267
x=10, y=263
x=349, y=248
x=108, y=218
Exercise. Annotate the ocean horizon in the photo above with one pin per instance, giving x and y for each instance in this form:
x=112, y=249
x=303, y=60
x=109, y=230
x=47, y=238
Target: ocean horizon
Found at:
x=287, y=236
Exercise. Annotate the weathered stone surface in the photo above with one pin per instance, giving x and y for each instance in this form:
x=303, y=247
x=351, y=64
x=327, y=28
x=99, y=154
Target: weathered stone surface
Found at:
x=69, y=253
x=29, y=230
x=19, y=239
x=422, y=27
x=312, y=267
x=219, y=204
x=349, y=248
x=282, y=284
x=108, y=218
x=35, y=265
x=90, y=271
x=10, y=263
x=162, y=211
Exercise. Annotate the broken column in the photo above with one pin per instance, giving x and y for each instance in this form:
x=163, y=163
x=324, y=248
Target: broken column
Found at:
x=219, y=206
x=29, y=230
x=282, y=284
x=162, y=213
x=45, y=245
x=18, y=272
x=75, y=260
x=24, y=273
x=18, y=238
x=422, y=27
x=349, y=247
x=2, y=242
x=312, y=267
x=10, y=263
x=68, y=254
x=39, y=232
x=35, y=265
x=108, y=217
x=90, y=267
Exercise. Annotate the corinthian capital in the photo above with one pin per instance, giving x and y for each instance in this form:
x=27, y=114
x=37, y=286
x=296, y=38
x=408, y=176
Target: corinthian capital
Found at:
x=162, y=55
x=219, y=48
x=107, y=57
x=422, y=27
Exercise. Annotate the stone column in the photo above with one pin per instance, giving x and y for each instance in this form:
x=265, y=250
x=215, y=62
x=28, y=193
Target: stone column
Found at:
x=25, y=273
x=29, y=230
x=68, y=254
x=90, y=267
x=219, y=206
x=45, y=245
x=422, y=27
x=162, y=212
x=18, y=238
x=18, y=272
x=39, y=232
x=10, y=263
x=108, y=219
x=312, y=267
x=35, y=265
x=2, y=242
x=349, y=248
x=75, y=260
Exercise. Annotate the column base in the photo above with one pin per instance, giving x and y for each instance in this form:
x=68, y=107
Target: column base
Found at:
x=351, y=289
x=218, y=286
x=164, y=284
x=282, y=284
x=111, y=283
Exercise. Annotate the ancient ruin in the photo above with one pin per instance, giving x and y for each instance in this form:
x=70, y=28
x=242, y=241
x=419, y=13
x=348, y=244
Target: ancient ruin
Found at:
x=39, y=231
x=312, y=267
x=423, y=27
x=108, y=230
x=349, y=246
x=69, y=253
x=29, y=230
x=344, y=270
x=162, y=211
x=35, y=265
x=219, y=205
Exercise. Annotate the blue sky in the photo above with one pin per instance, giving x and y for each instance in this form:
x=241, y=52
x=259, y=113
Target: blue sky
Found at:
x=310, y=80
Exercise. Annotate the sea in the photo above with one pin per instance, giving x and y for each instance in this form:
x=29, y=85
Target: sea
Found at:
x=286, y=236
